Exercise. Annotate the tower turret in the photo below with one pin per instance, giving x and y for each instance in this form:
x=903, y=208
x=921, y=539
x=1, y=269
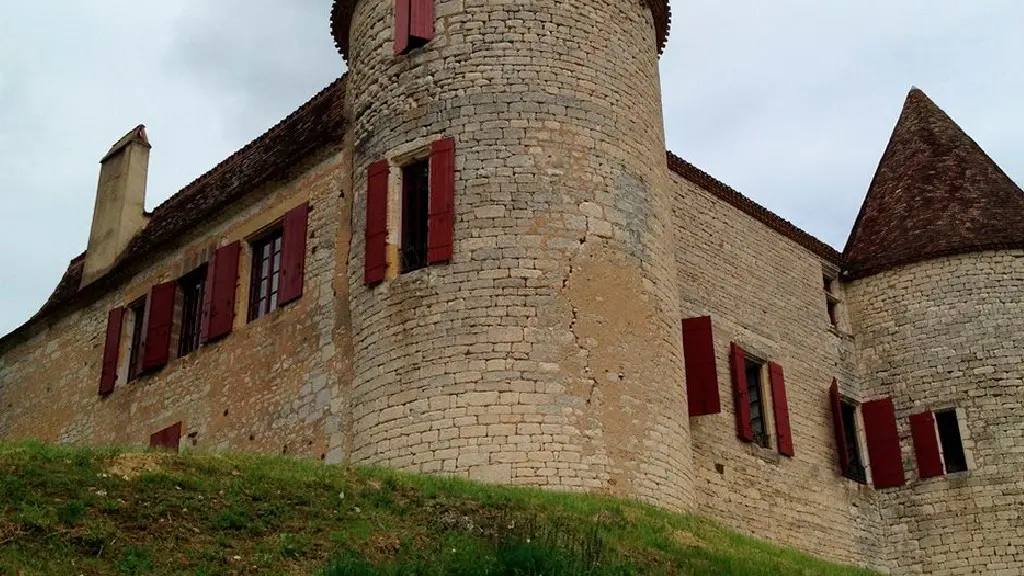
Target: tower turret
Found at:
x=541, y=346
x=937, y=305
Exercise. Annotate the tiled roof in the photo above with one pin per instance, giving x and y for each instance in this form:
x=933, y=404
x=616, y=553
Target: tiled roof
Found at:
x=341, y=21
x=317, y=123
x=935, y=193
x=723, y=192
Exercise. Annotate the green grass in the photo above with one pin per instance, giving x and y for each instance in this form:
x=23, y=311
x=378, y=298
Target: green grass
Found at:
x=95, y=512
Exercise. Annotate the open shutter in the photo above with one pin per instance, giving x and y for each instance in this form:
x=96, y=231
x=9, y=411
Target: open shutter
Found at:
x=781, y=409
x=926, y=445
x=883, y=443
x=402, y=23
x=376, y=223
x=293, y=257
x=839, y=427
x=699, y=363
x=157, y=325
x=441, y=219
x=219, y=300
x=421, y=20
x=737, y=362
x=108, y=374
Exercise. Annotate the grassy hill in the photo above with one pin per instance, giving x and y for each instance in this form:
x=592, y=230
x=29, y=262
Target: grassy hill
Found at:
x=84, y=512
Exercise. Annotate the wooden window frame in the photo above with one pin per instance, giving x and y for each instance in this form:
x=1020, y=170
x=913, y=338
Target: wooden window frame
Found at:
x=137, y=312
x=856, y=470
x=951, y=441
x=755, y=366
x=271, y=239
x=415, y=201
x=193, y=292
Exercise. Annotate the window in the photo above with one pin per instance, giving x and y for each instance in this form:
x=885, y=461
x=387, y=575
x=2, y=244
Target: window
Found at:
x=757, y=414
x=266, y=274
x=952, y=445
x=414, y=24
x=415, y=198
x=831, y=302
x=855, y=470
x=137, y=311
x=193, y=289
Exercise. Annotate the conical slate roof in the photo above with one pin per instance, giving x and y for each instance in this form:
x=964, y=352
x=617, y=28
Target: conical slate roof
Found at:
x=935, y=193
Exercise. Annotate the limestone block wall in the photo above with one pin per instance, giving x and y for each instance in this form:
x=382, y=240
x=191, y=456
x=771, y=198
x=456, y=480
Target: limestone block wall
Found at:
x=765, y=292
x=269, y=386
x=949, y=333
x=547, y=352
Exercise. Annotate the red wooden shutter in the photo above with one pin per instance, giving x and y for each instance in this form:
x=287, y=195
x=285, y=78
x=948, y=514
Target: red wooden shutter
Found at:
x=157, y=325
x=926, y=444
x=441, y=220
x=402, y=23
x=168, y=438
x=781, y=409
x=219, y=300
x=376, y=223
x=108, y=374
x=699, y=363
x=293, y=257
x=737, y=361
x=839, y=427
x=883, y=443
x=421, y=20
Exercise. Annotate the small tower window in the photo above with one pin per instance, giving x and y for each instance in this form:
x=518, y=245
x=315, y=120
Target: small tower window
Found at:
x=414, y=24
x=831, y=301
x=952, y=445
x=415, y=210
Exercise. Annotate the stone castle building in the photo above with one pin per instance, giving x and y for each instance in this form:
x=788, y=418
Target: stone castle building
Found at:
x=472, y=255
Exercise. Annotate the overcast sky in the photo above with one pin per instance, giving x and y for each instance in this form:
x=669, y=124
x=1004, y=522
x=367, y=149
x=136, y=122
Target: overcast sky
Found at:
x=791, y=102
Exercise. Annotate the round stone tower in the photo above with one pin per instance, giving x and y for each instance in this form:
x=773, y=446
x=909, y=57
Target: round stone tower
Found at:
x=936, y=296
x=547, y=350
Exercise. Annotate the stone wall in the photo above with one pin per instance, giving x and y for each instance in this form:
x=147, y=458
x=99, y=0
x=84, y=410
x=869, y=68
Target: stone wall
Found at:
x=949, y=333
x=269, y=386
x=765, y=292
x=547, y=352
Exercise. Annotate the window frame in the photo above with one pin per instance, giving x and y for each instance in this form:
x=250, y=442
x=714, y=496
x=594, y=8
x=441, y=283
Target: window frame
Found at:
x=190, y=317
x=857, y=469
x=137, y=312
x=274, y=234
x=951, y=440
x=415, y=209
x=831, y=300
x=756, y=366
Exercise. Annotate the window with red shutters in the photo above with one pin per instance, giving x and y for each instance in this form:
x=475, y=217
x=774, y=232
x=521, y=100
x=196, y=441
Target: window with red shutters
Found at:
x=699, y=364
x=166, y=439
x=219, y=300
x=953, y=453
x=414, y=24
x=158, y=324
x=839, y=426
x=111, y=347
x=265, y=282
x=741, y=393
x=926, y=445
x=883, y=443
x=780, y=406
x=376, y=263
x=441, y=224
x=293, y=260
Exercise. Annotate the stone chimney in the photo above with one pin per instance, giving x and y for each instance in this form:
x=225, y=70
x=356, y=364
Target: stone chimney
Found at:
x=118, y=213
